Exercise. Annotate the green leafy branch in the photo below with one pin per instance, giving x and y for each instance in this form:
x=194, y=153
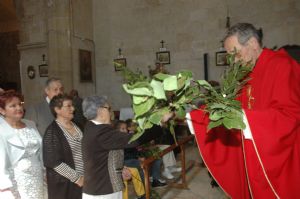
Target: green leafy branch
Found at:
x=164, y=93
x=221, y=104
x=153, y=98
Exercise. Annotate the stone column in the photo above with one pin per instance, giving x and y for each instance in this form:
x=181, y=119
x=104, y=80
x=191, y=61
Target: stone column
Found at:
x=48, y=27
x=59, y=39
x=31, y=16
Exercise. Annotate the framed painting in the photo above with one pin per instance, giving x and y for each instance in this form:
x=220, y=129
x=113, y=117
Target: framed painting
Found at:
x=43, y=70
x=85, y=66
x=221, y=58
x=119, y=63
x=163, y=57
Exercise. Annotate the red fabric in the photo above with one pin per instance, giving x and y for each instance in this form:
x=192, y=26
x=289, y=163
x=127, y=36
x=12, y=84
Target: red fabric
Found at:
x=274, y=120
x=222, y=153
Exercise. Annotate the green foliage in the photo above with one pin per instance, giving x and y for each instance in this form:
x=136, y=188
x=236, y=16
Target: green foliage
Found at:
x=222, y=106
x=153, y=98
x=149, y=150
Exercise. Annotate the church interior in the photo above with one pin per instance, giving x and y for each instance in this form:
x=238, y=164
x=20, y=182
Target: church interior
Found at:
x=81, y=41
x=54, y=32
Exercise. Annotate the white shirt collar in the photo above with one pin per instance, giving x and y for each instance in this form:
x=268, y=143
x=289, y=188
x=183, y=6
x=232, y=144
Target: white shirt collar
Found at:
x=47, y=99
x=95, y=122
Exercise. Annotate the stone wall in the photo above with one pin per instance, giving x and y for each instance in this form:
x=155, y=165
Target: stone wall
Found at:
x=190, y=28
x=33, y=44
x=57, y=29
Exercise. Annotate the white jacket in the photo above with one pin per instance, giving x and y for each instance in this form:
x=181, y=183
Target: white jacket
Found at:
x=11, y=149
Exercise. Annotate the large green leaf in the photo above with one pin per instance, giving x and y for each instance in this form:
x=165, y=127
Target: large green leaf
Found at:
x=138, y=91
x=156, y=117
x=185, y=73
x=158, y=89
x=213, y=124
x=218, y=106
x=181, y=83
x=216, y=115
x=234, y=123
x=170, y=83
x=136, y=135
x=161, y=76
x=140, y=109
x=142, y=84
x=139, y=99
x=181, y=100
x=205, y=85
x=141, y=121
x=147, y=125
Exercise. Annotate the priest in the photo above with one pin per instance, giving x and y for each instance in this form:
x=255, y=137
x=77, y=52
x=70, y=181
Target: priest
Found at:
x=263, y=160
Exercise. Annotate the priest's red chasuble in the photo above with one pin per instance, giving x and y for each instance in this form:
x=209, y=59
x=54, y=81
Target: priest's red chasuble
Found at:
x=269, y=165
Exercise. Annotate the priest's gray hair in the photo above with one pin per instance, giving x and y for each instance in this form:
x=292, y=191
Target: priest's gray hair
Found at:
x=244, y=31
x=90, y=106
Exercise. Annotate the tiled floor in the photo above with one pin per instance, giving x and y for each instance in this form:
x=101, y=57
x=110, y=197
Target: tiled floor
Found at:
x=197, y=179
x=198, y=182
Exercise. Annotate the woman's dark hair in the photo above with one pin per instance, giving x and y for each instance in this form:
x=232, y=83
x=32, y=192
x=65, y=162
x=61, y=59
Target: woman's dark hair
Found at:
x=58, y=101
x=6, y=96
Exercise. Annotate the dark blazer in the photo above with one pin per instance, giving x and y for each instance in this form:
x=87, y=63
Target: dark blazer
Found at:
x=56, y=149
x=102, y=148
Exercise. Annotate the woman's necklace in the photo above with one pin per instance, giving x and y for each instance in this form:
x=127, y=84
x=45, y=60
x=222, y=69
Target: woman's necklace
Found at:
x=68, y=127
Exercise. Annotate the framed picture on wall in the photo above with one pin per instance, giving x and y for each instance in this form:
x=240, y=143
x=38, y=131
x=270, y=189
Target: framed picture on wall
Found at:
x=43, y=70
x=119, y=63
x=163, y=57
x=85, y=66
x=221, y=58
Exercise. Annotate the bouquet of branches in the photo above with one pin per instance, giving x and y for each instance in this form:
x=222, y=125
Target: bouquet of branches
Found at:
x=154, y=97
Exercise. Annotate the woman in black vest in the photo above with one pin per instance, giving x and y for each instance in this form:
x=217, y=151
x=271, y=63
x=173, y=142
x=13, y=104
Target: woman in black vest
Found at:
x=62, y=152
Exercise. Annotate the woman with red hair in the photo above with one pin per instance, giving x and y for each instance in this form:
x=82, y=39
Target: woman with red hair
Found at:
x=21, y=170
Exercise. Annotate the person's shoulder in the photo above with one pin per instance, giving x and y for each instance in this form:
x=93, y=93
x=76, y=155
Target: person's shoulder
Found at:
x=5, y=130
x=43, y=103
x=281, y=56
x=91, y=126
x=29, y=123
x=52, y=129
x=2, y=127
x=277, y=60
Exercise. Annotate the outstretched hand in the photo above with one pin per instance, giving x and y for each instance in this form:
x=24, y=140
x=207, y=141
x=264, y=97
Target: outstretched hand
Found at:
x=167, y=116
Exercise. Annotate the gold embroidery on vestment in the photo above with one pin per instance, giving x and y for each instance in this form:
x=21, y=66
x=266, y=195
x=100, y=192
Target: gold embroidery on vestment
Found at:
x=250, y=97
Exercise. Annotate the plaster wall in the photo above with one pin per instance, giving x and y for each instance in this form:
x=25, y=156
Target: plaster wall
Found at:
x=190, y=28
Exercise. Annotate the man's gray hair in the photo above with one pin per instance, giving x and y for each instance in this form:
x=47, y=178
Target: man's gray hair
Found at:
x=50, y=80
x=90, y=106
x=244, y=31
